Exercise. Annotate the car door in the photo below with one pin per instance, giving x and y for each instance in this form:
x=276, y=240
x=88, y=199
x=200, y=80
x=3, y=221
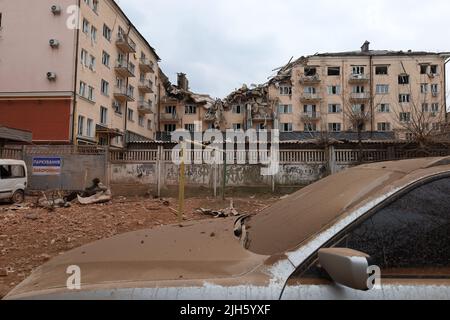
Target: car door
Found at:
x=408, y=238
x=6, y=184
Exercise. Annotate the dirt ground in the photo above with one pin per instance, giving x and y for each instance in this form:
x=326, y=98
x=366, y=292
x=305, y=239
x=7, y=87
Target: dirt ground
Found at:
x=30, y=236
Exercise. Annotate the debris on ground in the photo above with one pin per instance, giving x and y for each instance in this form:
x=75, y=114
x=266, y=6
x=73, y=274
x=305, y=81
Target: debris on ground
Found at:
x=17, y=207
x=99, y=197
x=29, y=237
x=228, y=212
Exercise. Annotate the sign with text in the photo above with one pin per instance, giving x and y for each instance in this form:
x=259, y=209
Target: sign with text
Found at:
x=47, y=166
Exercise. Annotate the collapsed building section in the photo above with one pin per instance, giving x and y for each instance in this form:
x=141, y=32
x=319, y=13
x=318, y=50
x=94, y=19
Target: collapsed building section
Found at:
x=255, y=104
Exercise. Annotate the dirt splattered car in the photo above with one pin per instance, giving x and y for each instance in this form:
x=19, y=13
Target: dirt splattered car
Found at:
x=377, y=231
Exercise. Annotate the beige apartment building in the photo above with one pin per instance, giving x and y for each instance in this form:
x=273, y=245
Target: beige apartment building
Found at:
x=180, y=108
x=377, y=91
x=92, y=80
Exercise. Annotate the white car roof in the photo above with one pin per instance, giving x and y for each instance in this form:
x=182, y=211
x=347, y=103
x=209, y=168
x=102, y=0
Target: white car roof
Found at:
x=11, y=162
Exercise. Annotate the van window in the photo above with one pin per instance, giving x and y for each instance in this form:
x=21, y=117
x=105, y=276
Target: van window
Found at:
x=12, y=171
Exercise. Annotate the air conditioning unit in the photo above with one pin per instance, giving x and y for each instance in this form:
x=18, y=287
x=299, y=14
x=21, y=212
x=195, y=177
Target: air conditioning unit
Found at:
x=54, y=43
x=51, y=76
x=56, y=9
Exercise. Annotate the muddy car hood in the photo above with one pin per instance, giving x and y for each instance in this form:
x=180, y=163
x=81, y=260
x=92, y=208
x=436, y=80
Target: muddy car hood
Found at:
x=195, y=251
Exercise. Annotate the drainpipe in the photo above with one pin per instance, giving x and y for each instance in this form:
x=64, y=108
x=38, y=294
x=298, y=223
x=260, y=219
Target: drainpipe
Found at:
x=445, y=89
x=77, y=47
x=372, y=110
x=127, y=82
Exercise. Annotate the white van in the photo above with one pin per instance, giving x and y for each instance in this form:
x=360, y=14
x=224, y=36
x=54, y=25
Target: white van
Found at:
x=13, y=180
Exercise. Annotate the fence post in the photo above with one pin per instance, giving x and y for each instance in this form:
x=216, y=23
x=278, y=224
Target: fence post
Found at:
x=159, y=159
x=332, y=159
x=107, y=167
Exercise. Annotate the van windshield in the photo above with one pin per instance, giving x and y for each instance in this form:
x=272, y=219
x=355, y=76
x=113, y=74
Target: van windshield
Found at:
x=12, y=171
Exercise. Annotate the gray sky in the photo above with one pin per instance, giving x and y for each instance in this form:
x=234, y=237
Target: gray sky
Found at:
x=222, y=44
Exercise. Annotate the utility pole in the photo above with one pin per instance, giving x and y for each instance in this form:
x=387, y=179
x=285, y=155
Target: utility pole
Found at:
x=182, y=182
x=224, y=178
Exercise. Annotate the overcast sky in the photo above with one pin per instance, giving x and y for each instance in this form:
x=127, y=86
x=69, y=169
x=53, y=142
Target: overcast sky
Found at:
x=222, y=44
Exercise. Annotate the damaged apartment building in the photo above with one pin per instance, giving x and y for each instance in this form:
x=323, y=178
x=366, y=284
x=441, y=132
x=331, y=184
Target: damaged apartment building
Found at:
x=378, y=92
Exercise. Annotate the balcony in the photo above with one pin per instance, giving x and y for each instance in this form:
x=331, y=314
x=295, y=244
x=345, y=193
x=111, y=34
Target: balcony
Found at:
x=145, y=86
x=145, y=107
x=146, y=65
x=125, y=44
x=170, y=117
x=310, y=97
x=359, y=97
x=123, y=94
x=358, y=78
x=314, y=79
x=124, y=69
x=310, y=116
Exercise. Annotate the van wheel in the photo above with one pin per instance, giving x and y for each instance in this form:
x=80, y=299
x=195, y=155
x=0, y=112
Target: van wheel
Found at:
x=18, y=196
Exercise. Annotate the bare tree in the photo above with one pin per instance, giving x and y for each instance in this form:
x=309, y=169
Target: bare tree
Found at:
x=422, y=123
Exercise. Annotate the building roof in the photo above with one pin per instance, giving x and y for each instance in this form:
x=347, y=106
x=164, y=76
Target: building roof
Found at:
x=377, y=53
x=135, y=29
x=15, y=136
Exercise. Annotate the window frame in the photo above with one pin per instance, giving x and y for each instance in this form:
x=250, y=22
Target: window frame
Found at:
x=338, y=237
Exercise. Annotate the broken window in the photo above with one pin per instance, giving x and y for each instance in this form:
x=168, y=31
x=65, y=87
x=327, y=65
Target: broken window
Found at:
x=358, y=89
x=384, y=108
x=334, y=71
x=381, y=70
x=334, y=108
x=384, y=126
x=423, y=69
x=334, y=90
x=435, y=88
x=435, y=107
x=190, y=109
x=403, y=79
x=310, y=90
x=285, y=108
x=189, y=127
x=382, y=89
x=424, y=107
x=434, y=69
x=310, y=127
x=286, y=127
x=309, y=108
x=405, y=116
x=334, y=127
x=404, y=98
x=358, y=108
x=286, y=90
x=237, y=109
x=171, y=110
x=424, y=87
x=310, y=71
x=358, y=70
x=237, y=126
x=170, y=127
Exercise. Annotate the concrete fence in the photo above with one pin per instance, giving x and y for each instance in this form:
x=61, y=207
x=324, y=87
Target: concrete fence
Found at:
x=152, y=170
x=78, y=166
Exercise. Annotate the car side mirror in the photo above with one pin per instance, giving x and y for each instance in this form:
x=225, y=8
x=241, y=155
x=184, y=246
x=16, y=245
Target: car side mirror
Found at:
x=347, y=267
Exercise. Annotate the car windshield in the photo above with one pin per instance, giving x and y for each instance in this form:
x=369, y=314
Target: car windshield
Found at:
x=291, y=221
